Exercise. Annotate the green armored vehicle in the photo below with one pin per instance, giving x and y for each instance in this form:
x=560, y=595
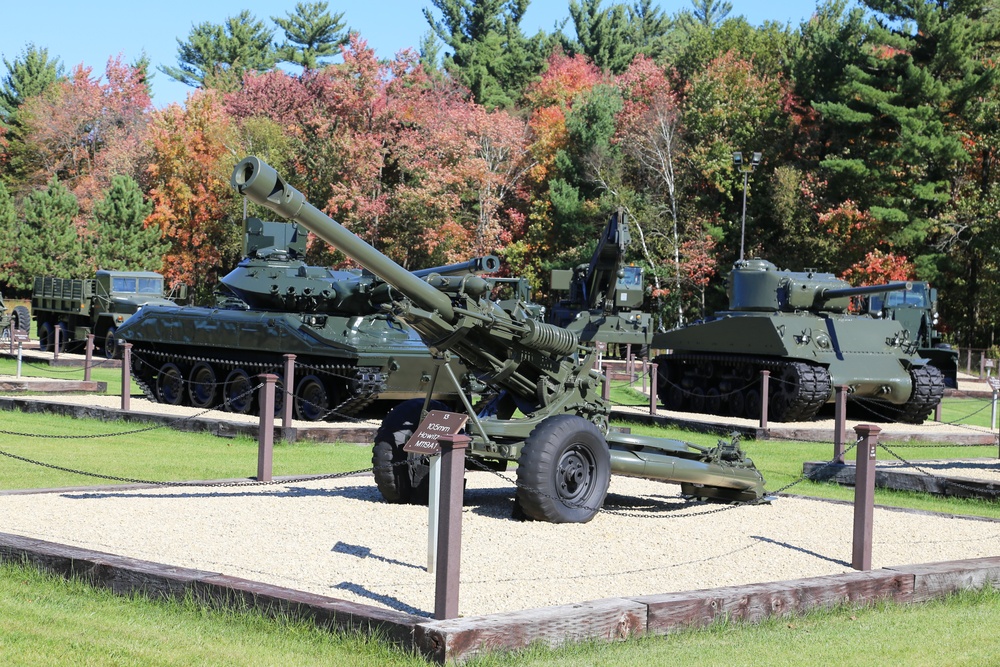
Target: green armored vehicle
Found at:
x=562, y=443
x=349, y=350
x=916, y=310
x=797, y=326
x=98, y=305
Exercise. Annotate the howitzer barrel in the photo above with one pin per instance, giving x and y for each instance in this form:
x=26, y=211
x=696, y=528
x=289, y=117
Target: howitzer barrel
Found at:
x=260, y=183
x=828, y=294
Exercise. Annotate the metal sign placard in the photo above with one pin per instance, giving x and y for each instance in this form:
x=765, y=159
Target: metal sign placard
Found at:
x=436, y=424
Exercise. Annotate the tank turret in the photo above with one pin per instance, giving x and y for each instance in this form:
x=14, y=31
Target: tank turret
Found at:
x=758, y=285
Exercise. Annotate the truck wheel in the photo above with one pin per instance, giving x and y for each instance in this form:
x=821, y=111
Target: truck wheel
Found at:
x=111, y=350
x=564, y=471
x=20, y=318
x=239, y=392
x=396, y=481
x=170, y=384
x=203, y=385
x=311, y=399
x=46, y=337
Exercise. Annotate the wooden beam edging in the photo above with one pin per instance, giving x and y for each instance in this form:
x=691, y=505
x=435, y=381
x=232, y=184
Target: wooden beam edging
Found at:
x=127, y=576
x=456, y=640
x=901, y=478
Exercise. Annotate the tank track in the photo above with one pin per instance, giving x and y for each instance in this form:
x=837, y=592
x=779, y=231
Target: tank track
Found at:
x=713, y=382
x=928, y=389
x=360, y=385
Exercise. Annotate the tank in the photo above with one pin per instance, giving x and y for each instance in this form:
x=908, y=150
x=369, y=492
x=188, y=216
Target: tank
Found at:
x=797, y=325
x=350, y=351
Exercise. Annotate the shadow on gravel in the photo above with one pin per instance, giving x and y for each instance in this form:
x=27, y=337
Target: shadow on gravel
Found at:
x=792, y=547
x=384, y=600
x=365, y=493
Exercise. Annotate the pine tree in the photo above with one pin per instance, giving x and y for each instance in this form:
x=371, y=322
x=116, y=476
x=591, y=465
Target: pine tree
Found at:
x=28, y=75
x=490, y=55
x=311, y=33
x=120, y=241
x=216, y=56
x=50, y=244
x=8, y=234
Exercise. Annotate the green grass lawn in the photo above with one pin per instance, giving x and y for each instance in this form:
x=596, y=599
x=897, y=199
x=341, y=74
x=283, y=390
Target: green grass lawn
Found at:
x=48, y=621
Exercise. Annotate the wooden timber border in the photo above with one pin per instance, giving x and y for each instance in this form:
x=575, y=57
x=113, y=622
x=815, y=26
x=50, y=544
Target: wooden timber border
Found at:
x=891, y=477
x=456, y=640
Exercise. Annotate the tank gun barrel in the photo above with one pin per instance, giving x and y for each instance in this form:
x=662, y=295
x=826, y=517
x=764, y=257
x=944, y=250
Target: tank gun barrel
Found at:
x=260, y=183
x=828, y=294
x=484, y=264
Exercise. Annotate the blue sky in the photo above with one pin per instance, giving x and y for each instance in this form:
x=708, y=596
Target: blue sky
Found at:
x=91, y=32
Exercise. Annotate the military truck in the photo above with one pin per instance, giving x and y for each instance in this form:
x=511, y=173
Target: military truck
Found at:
x=916, y=310
x=78, y=307
x=604, y=302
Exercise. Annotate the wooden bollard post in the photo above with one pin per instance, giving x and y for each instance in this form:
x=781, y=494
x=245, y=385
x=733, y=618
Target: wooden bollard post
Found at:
x=88, y=357
x=265, y=432
x=606, y=387
x=126, y=375
x=286, y=407
x=765, y=377
x=652, y=388
x=864, y=496
x=449, y=545
x=839, y=422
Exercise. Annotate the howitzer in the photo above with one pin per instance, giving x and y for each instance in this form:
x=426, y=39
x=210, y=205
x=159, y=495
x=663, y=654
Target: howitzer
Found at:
x=562, y=444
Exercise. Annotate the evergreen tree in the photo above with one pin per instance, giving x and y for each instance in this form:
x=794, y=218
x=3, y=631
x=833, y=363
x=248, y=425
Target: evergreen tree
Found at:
x=216, y=56
x=490, y=55
x=605, y=36
x=711, y=13
x=311, y=34
x=49, y=242
x=27, y=76
x=8, y=234
x=120, y=241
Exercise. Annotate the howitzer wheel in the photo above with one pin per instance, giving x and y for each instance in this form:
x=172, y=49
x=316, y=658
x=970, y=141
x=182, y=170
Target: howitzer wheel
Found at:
x=400, y=482
x=20, y=318
x=170, y=384
x=203, y=385
x=238, y=392
x=564, y=471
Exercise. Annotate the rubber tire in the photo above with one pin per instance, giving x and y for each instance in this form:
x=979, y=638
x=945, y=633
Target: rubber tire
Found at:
x=237, y=394
x=46, y=337
x=559, y=445
x=203, y=385
x=20, y=318
x=63, y=338
x=406, y=484
x=111, y=348
x=170, y=384
x=311, y=399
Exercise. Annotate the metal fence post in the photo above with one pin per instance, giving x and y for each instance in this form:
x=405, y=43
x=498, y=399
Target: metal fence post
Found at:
x=839, y=423
x=126, y=375
x=88, y=357
x=265, y=432
x=56, y=343
x=449, y=546
x=286, y=407
x=864, y=496
x=765, y=377
x=652, y=388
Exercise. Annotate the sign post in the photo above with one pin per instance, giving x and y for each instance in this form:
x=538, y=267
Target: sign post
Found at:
x=426, y=441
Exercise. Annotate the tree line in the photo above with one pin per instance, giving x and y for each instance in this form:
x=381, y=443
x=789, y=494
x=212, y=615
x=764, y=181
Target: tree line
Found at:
x=877, y=127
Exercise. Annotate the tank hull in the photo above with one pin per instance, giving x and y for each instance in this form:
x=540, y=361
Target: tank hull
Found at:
x=715, y=366
x=199, y=356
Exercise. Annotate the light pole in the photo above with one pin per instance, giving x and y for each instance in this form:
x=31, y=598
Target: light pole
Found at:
x=746, y=169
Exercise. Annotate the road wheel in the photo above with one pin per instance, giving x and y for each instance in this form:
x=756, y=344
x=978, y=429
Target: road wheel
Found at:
x=239, y=392
x=203, y=385
x=713, y=401
x=111, y=350
x=396, y=481
x=311, y=400
x=46, y=337
x=752, y=406
x=170, y=384
x=697, y=399
x=564, y=471
x=738, y=403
